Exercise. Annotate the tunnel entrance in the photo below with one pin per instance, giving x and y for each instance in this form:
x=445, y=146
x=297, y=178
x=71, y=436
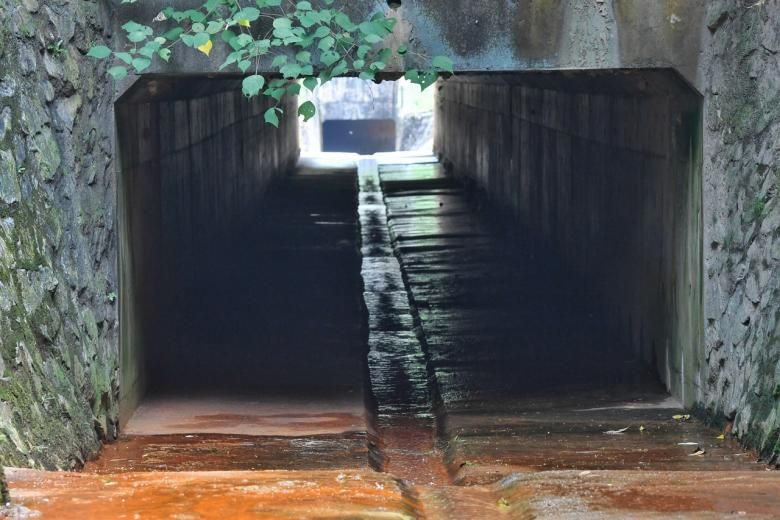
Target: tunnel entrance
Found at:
x=237, y=278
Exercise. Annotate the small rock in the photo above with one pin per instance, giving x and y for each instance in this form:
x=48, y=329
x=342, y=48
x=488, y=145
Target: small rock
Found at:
x=53, y=66
x=27, y=61
x=65, y=111
x=7, y=87
x=5, y=122
x=32, y=6
x=10, y=190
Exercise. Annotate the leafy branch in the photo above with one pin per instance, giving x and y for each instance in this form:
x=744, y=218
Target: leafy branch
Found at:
x=307, y=44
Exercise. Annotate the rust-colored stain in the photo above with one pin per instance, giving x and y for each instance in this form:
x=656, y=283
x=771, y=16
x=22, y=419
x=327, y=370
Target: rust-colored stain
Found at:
x=214, y=452
x=231, y=495
x=344, y=421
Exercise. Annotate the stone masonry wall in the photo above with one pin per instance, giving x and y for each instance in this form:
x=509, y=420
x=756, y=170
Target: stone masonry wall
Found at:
x=740, y=78
x=58, y=315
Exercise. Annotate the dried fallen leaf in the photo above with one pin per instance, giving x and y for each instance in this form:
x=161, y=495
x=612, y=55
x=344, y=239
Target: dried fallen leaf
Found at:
x=681, y=417
x=698, y=453
x=641, y=428
x=503, y=504
x=687, y=443
x=721, y=437
x=617, y=432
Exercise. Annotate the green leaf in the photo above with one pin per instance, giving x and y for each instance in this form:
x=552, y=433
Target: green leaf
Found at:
x=326, y=43
x=136, y=36
x=241, y=41
x=291, y=70
x=99, y=52
x=251, y=85
x=310, y=83
x=307, y=110
x=373, y=28
x=248, y=13
x=279, y=61
x=282, y=23
x=165, y=54
x=271, y=117
x=117, y=72
x=215, y=27
x=308, y=19
x=443, y=63
x=124, y=56
x=403, y=49
x=132, y=26
x=340, y=69
x=343, y=21
x=303, y=57
x=424, y=79
x=244, y=65
x=321, y=32
x=173, y=34
x=363, y=50
x=141, y=64
x=304, y=6
x=200, y=39
x=329, y=58
x=277, y=93
x=294, y=89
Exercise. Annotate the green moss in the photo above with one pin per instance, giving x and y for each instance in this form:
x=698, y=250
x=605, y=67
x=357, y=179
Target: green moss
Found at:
x=758, y=209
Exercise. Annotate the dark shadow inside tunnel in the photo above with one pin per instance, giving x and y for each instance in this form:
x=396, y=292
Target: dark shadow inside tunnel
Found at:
x=594, y=178
x=237, y=277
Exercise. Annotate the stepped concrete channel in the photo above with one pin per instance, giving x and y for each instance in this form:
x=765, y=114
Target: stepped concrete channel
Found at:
x=467, y=382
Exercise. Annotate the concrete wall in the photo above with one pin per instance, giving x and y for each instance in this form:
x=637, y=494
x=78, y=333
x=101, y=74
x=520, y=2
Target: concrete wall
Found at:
x=605, y=170
x=196, y=157
x=511, y=35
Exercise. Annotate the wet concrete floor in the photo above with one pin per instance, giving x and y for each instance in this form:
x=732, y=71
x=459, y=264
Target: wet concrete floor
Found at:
x=469, y=381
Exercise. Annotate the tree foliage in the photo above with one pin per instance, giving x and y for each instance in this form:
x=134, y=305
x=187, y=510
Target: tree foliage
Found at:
x=307, y=43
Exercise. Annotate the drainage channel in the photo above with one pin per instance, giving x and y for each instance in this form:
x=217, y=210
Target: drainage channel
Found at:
x=405, y=440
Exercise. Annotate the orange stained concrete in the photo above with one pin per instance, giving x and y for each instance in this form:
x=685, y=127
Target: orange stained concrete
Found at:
x=280, y=416
x=233, y=495
x=364, y=494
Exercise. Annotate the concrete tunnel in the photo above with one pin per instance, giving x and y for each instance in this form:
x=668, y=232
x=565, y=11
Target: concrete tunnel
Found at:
x=596, y=172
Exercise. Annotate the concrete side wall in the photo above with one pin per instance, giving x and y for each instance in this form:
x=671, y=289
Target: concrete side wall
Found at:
x=605, y=171
x=511, y=35
x=190, y=170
